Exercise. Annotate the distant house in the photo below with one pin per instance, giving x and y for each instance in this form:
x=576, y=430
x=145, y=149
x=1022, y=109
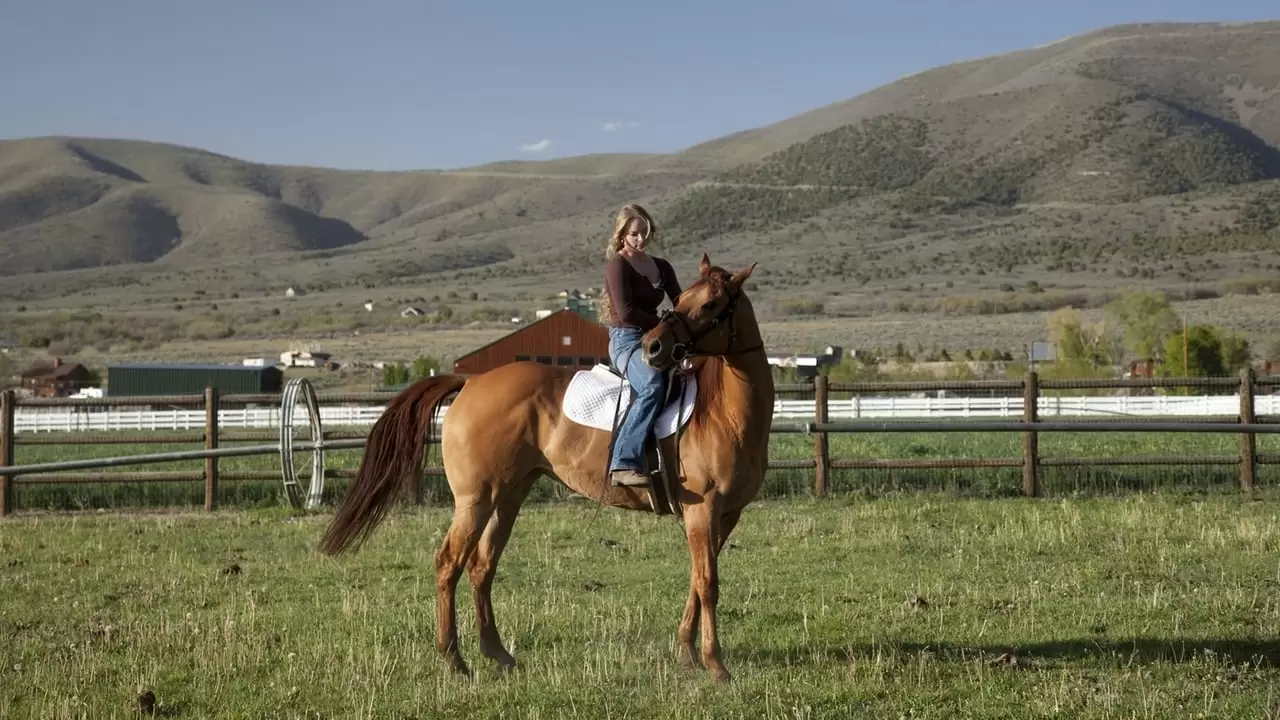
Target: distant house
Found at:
x=574, y=302
x=57, y=380
x=368, y=306
x=807, y=366
x=304, y=358
x=412, y=312
x=294, y=291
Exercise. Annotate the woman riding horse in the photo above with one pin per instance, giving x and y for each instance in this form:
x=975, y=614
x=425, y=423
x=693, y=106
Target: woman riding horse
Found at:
x=505, y=428
x=635, y=284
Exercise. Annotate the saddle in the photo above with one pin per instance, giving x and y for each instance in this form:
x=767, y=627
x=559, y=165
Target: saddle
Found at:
x=596, y=398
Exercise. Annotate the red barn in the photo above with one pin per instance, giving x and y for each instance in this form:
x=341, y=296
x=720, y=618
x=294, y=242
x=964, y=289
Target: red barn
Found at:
x=563, y=338
x=57, y=380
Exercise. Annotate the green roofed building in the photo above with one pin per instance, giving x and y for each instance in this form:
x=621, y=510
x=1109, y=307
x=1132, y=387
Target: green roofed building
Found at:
x=141, y=379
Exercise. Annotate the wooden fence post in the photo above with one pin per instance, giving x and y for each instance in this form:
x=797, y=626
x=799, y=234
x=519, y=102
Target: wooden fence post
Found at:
x=8, y=438
x=821, y=444
x=1030, y=440
x=210, y=443
x=1248, y=441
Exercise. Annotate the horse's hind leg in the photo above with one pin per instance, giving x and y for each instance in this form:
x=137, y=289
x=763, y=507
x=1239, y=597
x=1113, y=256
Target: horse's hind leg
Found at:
x=470, y=515
x=483, y=565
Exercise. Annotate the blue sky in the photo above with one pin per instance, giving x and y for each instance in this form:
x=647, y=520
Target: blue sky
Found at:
x=435, y=84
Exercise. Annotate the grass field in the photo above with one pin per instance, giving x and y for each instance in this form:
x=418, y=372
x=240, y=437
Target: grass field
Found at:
x=780, y=483
x=912, y=606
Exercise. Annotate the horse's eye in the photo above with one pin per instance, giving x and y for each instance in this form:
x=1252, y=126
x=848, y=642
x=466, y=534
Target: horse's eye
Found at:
x=708, y=306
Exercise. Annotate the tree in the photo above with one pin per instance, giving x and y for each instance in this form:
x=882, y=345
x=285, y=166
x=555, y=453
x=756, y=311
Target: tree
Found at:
x=1144, y=320
x=394, y=374
x=785, y=375
x=1080, y=345
x=424, y=366
x=1210, y=352
x=1236, y=352
x=852, y=368
x=1202, y=350
x=1067, y=332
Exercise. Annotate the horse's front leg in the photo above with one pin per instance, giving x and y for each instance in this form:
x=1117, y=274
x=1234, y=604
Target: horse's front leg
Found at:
x=702, y=531
x=688, y=630
x=687, y=633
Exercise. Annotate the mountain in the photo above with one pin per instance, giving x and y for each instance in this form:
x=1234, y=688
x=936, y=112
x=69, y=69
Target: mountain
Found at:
x=68, y=203
x=1136, y=154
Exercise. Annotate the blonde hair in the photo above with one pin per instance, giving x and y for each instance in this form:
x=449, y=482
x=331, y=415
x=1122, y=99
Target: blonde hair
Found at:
x=629, y=212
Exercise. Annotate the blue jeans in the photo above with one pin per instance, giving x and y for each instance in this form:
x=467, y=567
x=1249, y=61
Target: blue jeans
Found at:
x=650, y=390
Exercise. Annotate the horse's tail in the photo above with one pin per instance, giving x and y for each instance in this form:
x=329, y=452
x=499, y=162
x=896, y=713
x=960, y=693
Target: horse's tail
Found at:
x=392, y=461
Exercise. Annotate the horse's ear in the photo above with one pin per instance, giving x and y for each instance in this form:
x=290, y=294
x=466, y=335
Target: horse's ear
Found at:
x=741, y=276
x=704, y=266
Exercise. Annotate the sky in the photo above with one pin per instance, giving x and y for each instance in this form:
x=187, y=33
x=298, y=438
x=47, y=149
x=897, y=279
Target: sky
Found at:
x=433, y=84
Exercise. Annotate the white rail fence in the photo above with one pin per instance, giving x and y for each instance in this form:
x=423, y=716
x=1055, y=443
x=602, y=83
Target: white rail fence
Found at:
x=62, y=419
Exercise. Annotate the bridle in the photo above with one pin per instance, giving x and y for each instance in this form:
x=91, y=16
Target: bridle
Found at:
x=689, y=348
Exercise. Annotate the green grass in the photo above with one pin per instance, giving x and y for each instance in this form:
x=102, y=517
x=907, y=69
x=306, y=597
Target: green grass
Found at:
x=780, y=483
x=1146, y=606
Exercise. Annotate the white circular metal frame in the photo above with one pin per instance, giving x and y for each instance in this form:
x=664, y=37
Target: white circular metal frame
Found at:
x=299, y=391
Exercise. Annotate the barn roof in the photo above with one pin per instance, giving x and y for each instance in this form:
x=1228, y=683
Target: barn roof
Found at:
x=526, y=328
x=192, y=366
x=52, y=371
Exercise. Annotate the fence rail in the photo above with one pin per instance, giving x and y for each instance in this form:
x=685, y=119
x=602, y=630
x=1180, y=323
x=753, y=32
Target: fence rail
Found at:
x=1022, y=408
x=103, y=419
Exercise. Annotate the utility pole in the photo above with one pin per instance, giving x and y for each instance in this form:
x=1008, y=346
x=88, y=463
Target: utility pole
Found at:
x=1186, y=369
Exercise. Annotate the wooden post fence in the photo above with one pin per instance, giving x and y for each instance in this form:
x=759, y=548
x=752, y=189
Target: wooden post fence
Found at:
x=8, y=403
x=1030, y=440
x=821, y=442
x=210, y=443
x=1248, y=441
x=1030, y=425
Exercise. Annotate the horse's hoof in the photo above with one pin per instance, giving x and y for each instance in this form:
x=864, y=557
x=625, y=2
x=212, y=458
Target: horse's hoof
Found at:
x=689, y=660
x=720, y=676
x=499, y=656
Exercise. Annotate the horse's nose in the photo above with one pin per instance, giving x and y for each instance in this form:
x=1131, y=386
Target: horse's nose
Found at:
x=654, y=348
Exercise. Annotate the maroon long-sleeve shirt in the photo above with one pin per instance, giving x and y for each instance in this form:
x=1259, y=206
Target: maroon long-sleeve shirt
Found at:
x=634, y=299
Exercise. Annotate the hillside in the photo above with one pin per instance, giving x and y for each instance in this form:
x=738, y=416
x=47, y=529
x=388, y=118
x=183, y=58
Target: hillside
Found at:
x=69, y=203
x=1141, y=155
x=1225, y=69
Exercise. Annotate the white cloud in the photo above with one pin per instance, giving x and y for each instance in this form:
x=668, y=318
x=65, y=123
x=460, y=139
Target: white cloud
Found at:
x=619, y=125
x=534, y=147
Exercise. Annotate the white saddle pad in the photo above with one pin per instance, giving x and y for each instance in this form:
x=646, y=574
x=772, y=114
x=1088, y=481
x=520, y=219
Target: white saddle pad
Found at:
x=592, y=400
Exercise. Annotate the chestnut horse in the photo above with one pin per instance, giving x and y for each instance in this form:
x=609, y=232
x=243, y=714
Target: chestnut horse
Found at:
x=504, y=429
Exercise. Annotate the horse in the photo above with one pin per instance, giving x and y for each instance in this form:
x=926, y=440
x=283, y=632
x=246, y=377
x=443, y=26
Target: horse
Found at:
x=506, y=427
